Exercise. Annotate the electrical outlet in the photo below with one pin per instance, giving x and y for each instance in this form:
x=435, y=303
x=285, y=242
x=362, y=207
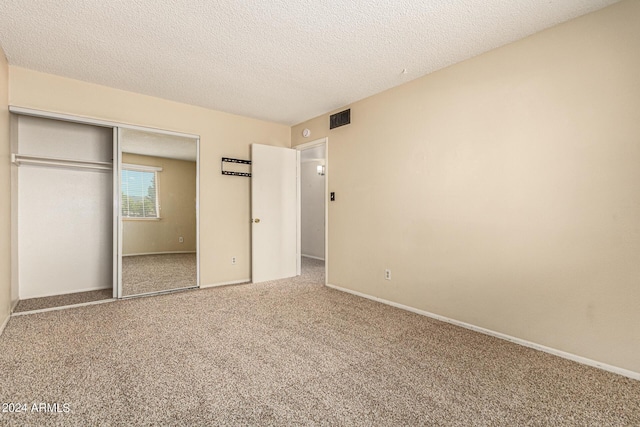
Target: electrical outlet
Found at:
x=387, y=274
x=180, y=239
x=233, y=260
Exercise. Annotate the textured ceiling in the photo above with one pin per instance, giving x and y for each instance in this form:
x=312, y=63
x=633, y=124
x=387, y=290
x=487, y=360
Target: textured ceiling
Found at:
x=158, y=145
x=282, y=61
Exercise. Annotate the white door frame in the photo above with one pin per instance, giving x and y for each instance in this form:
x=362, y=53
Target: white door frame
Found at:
x=307, y=145
x=117, y=224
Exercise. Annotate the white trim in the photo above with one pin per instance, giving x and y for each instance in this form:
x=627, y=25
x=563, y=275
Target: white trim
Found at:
x=75, y=291
x=63, y=307
x=14, y=304
x=298, y=215
x=4, y=324
x=160, y=253
x=116, y=212
x=314, y=257
x=141, y=168
x=198, y=212
x=91, y=121
x=582, y=360
x=154, y=293
x=327, y=200
x=233, y=282
x=312, y=144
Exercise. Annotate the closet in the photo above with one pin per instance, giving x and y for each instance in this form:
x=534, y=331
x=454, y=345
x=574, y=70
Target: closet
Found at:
x=70, y=231
x=64, y=186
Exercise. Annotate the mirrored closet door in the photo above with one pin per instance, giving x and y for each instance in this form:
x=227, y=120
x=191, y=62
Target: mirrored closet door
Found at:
x=158, y=185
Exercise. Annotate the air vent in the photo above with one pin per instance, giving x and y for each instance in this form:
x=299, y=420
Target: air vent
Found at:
x=340, y=119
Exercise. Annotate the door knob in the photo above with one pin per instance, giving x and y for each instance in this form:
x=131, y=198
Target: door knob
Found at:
x=257, y=220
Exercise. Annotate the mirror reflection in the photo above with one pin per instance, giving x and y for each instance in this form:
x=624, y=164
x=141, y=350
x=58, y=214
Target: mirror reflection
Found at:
x=158, y=211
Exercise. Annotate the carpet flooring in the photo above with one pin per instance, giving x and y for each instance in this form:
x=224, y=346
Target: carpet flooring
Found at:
x=142, y=274
x=63, y=300
x=289, y=352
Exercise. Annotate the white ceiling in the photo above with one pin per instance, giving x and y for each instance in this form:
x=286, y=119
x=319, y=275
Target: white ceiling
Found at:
x=282, y=61
x=158, y=145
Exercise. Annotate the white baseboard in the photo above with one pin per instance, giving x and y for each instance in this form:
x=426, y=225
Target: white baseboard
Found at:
x=14, y=304
x=313, y=257
x=233, y=282
x=4, y=324
x=583, y=360
x=160, y=253
x=75, y=291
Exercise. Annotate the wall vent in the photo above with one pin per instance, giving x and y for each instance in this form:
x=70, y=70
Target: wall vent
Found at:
x=340, y=119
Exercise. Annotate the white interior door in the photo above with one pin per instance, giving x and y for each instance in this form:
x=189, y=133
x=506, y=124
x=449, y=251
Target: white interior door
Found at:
x=274, y=212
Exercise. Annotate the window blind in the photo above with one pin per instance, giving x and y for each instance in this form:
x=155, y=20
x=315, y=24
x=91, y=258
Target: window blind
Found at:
x=139, y=194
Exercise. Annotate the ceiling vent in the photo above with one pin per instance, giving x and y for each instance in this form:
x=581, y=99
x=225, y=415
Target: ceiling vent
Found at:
x=340, y=119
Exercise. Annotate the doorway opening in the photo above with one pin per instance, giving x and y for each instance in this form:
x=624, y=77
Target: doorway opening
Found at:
x=312, y=213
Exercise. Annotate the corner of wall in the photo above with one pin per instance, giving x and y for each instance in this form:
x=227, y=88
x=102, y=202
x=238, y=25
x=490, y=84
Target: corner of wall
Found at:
x=13, y=126
x=5, y=195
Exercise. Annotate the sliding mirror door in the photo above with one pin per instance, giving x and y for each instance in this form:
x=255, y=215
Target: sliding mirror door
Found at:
x=158, y=212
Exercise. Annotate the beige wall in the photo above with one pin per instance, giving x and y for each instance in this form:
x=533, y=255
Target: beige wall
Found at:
x=5, y=195
x=177, y=197
x=224, y=200
x=503, y=191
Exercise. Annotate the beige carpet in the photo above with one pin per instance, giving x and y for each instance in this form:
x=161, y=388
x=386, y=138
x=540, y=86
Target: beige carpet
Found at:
x=140, y=275
x=289, y=352
x=62, y=300
x=143, y=274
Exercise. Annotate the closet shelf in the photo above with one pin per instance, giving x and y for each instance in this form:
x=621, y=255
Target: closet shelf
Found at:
x=27, y=159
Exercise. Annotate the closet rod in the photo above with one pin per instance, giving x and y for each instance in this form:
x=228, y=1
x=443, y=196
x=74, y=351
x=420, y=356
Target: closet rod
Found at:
x=26, y=159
